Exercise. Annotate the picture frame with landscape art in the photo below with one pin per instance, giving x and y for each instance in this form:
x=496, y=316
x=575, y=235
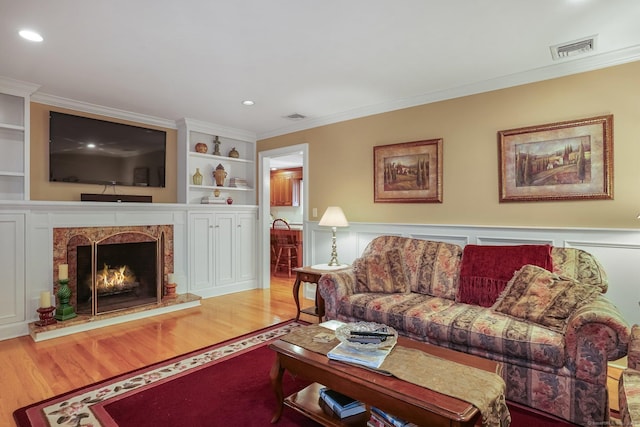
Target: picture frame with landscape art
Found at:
x=408, y=172
x=570, y=160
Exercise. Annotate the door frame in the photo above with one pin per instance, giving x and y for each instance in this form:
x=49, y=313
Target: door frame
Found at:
x=264, y=206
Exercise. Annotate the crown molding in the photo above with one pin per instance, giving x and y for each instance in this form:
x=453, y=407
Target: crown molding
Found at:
x=215, y=129
x=555, y=70
x=17, y=87
x=85, y=107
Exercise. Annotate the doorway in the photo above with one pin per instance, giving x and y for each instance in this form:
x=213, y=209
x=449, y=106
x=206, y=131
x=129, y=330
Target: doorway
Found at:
x=286, y=157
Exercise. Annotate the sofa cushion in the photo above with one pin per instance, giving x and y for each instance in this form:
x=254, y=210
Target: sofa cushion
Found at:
x=579, y=265
x=486, y=270
x=439, y=277
x=480, y=330
x=439, y=270
x=383, y=272
x=389, y=309
x=543, y=297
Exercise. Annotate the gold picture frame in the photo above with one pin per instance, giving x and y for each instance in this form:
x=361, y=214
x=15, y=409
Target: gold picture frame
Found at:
x=570, y=160
x=408, y=172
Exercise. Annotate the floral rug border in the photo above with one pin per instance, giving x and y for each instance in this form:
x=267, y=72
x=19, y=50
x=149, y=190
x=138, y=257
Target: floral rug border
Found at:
x=75, y=408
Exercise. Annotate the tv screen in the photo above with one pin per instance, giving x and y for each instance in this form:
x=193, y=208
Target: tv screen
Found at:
x=92, y=151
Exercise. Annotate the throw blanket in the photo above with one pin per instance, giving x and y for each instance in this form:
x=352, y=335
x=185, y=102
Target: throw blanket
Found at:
x=485, y=390
x=486, y=270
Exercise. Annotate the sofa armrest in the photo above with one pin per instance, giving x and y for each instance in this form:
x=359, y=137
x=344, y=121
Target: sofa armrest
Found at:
x=333, y=287
x=596, y=333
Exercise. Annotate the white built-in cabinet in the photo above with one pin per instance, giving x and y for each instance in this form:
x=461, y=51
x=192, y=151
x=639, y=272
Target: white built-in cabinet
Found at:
x=12, y=266
x=14, y=139
x=223, y=251
x=192, y=132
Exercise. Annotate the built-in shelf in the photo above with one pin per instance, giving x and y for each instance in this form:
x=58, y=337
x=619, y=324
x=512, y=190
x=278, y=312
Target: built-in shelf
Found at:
x=15, y=97
x=192, y=132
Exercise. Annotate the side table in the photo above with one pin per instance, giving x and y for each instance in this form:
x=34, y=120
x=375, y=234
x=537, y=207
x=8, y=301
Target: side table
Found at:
x=310, y=275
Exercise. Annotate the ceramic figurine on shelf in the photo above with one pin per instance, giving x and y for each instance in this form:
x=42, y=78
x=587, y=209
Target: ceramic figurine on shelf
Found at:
x=234, y=153
x=229, y=200
x=216, y=145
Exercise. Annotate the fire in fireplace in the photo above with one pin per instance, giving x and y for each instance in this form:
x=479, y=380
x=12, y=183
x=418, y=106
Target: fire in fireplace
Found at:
x=111, y=281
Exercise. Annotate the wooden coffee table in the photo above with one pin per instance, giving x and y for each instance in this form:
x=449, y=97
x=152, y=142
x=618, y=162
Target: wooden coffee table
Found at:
x=411, y=402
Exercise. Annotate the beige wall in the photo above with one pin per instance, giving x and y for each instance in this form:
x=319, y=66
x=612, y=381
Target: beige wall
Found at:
x=42, y=189
x=341, y=155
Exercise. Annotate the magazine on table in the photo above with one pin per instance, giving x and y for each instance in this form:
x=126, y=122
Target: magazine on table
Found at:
x=368, y=358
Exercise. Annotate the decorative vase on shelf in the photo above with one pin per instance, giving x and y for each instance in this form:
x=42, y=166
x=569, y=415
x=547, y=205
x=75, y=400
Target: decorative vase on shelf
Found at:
x=197, y=177
x=201, y=147
x=219, y=175
x=234, y=153
x=229, y=200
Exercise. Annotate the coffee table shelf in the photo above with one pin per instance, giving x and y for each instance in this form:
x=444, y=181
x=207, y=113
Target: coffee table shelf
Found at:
x=307, y=402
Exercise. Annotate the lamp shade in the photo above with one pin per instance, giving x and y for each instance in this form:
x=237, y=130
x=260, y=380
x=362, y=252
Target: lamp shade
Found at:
x=333, y=217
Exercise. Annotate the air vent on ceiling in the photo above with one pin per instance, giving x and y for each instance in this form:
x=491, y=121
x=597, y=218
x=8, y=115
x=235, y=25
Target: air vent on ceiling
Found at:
x=295, y=116
x=573, y=48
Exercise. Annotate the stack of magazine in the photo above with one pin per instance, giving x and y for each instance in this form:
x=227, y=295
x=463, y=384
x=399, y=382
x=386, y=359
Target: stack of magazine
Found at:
x=370, y=358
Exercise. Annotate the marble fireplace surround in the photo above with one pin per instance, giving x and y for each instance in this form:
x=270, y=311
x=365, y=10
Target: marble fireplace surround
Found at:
x=67, y=239
x=62, y=235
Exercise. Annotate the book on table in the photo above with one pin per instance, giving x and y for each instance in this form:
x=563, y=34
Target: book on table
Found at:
x=380, y=418
x=342, y=406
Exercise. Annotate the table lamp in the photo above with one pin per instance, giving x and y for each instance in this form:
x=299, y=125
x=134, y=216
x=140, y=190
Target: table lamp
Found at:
x=333, y=217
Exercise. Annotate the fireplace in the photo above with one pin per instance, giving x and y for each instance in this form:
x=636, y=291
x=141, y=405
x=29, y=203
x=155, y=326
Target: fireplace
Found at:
x=114, y=268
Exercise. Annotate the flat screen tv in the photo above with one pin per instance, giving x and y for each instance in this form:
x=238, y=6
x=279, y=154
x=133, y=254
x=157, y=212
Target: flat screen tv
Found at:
x=92, y=151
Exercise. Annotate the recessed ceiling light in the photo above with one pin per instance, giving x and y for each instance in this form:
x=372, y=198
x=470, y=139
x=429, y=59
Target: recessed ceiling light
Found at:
x=30, y=35
x=91, y=145
x=248, y=102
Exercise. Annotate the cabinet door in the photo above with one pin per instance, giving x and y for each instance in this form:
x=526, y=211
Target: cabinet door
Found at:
x=12, y=265
x=246, y=247
x=201, y=251
x=225, y=233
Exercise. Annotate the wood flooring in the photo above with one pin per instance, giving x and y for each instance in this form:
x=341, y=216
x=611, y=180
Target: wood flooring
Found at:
x=30, y=371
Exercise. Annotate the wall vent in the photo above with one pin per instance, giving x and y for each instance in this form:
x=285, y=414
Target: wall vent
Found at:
x=573, y=48
x=296, y=116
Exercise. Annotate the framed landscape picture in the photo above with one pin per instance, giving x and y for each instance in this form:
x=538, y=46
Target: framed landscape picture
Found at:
x=409, y=172
x=560, y=161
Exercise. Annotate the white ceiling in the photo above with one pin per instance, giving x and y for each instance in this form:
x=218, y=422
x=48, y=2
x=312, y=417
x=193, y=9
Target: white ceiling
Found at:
x=329, y=60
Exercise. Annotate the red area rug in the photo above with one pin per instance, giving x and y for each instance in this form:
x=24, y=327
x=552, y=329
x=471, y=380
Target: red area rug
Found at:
x=226, y=384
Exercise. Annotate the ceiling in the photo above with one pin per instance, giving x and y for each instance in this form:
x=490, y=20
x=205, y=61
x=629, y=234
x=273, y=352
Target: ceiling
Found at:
x=328, y=60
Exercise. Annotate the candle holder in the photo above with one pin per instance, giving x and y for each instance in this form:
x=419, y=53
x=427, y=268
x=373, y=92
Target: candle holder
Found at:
x=170, y=290
x=46, y=316
x=64, y=310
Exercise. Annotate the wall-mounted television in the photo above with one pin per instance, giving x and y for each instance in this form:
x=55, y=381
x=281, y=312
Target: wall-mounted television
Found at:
x=92, y=151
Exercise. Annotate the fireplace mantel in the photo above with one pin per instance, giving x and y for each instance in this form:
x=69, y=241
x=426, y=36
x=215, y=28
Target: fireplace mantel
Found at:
x=29, y=227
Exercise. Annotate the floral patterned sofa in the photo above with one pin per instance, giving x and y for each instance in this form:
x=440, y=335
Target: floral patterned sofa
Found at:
x=553, y=330
x=629, y=384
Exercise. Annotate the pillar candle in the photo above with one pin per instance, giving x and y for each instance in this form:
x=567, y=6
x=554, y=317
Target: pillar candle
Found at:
x=63, y=272
x=170, y=278
x=45, y=299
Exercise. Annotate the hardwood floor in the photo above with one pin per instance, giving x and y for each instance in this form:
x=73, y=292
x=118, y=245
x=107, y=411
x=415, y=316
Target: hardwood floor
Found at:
x=30, y=371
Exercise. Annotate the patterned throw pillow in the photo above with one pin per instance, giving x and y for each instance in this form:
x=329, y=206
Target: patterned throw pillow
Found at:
x=381, y=272
x=542, y=297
